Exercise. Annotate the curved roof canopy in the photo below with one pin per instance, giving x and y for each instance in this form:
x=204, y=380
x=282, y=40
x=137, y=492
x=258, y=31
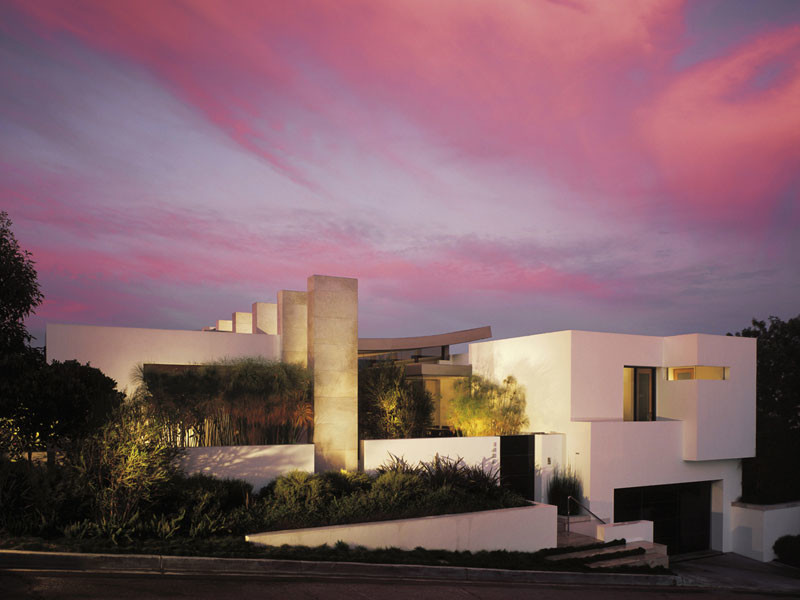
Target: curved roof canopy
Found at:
x=424, y=341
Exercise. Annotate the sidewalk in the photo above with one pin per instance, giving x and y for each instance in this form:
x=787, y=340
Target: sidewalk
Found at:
x=731, y=571
x=724, y=572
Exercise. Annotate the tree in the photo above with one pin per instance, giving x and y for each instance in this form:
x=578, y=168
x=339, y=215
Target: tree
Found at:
x=19, y=290
x=770, y=477
x=51, y=406
x=389, y=406
x=484, y=407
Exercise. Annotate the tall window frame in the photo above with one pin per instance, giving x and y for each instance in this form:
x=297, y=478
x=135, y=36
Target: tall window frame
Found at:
x=639, y=394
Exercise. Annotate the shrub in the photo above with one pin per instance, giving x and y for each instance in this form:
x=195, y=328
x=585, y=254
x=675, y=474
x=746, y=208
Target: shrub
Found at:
x=389, y=405
x=232, y=402
x=787, y=548
x=303, y=492
x=126, y=468
x=344, y=483
x=484, y=407
x=564, y=482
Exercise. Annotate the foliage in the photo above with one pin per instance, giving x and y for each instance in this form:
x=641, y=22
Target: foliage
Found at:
x=390, y=406
x=564, y=482
x=125, y=468
x=234, y=546
x=38, y=500
x=19, y=290
x=49, y=406
x=247, y=401
x=764, y=477
x=787, y=549
x=484, y=407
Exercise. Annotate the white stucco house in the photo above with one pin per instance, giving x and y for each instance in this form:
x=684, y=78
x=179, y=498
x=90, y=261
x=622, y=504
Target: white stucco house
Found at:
x=655, y=427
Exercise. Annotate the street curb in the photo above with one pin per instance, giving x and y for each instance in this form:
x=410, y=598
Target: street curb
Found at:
x=138, y=563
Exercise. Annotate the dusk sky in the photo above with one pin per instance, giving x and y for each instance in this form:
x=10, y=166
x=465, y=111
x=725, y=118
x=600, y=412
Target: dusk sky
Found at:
x=628, y=166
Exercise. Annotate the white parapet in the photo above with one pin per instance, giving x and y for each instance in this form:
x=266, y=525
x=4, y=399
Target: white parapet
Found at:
x=475, y=451
x=242, y=322
x=265, y=317
x=524, y=529
x=257, y=465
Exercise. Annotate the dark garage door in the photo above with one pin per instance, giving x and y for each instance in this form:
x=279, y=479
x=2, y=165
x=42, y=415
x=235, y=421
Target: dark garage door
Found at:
x=681, y=513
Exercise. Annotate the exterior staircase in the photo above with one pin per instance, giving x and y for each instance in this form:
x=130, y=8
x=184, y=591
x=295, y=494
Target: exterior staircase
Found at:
x=655, y=555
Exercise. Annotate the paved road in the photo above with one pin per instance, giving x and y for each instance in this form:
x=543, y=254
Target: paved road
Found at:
x=18, y=585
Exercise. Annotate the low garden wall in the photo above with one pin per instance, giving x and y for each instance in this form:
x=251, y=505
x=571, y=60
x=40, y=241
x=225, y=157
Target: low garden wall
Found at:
x=527, y=529
x=257, y=465
x=476, y=451
x=756, y=527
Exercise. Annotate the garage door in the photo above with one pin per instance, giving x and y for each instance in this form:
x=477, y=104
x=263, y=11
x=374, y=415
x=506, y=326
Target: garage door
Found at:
x=681, y=513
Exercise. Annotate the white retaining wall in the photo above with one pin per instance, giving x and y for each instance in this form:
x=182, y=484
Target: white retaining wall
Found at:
x=257, y=465
x=527, y=529
x=476, y=451
x=756, y=527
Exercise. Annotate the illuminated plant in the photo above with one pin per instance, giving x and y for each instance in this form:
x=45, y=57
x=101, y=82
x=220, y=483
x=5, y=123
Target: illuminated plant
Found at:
x=484, y=407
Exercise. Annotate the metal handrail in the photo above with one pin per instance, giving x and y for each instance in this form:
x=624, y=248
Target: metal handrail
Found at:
x=584, y=508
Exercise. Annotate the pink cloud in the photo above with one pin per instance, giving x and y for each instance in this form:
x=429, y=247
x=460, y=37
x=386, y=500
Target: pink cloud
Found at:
x=725, y=147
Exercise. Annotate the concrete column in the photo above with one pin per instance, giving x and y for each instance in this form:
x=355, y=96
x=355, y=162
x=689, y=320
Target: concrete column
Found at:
x=333, y=360
x=265, y=318
x=224, y=325
x=242, y=322
x=293, y=326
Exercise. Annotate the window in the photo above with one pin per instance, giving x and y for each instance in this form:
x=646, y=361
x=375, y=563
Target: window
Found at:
x=639, y=394
x=697, y=372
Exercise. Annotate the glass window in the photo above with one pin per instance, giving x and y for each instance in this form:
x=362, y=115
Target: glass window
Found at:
x=697, y=372
x=639, y=394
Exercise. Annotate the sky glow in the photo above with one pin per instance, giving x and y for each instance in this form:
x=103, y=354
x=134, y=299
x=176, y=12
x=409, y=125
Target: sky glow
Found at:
x=533, y=166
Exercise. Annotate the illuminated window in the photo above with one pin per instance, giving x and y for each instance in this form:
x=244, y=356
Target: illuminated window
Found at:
x=697, y=372
x=639, y=394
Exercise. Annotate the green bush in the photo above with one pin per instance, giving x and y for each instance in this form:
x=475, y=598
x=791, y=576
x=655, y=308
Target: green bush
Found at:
x=564, y=482
x=389, y=405
x=485, y=407
x=787, y=548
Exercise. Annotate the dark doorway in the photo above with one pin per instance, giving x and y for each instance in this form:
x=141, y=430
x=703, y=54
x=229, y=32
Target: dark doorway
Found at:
x=517, y=464
x=680, y=512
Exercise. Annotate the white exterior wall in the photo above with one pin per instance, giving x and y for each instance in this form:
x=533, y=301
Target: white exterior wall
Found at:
x=635, y=454
x=597, y=361
x=476, y=451
x=525, y=529
x=541, y=363
x=719, y=416
x=116, y=351
x=257, y=465
x=574, y=385
x=756, y=527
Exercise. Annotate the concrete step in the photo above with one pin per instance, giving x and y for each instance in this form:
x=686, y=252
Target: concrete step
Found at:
x=655, y=555
x=574, y=539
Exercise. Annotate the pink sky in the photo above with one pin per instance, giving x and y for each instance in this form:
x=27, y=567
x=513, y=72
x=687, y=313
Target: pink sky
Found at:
x=623, y=166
